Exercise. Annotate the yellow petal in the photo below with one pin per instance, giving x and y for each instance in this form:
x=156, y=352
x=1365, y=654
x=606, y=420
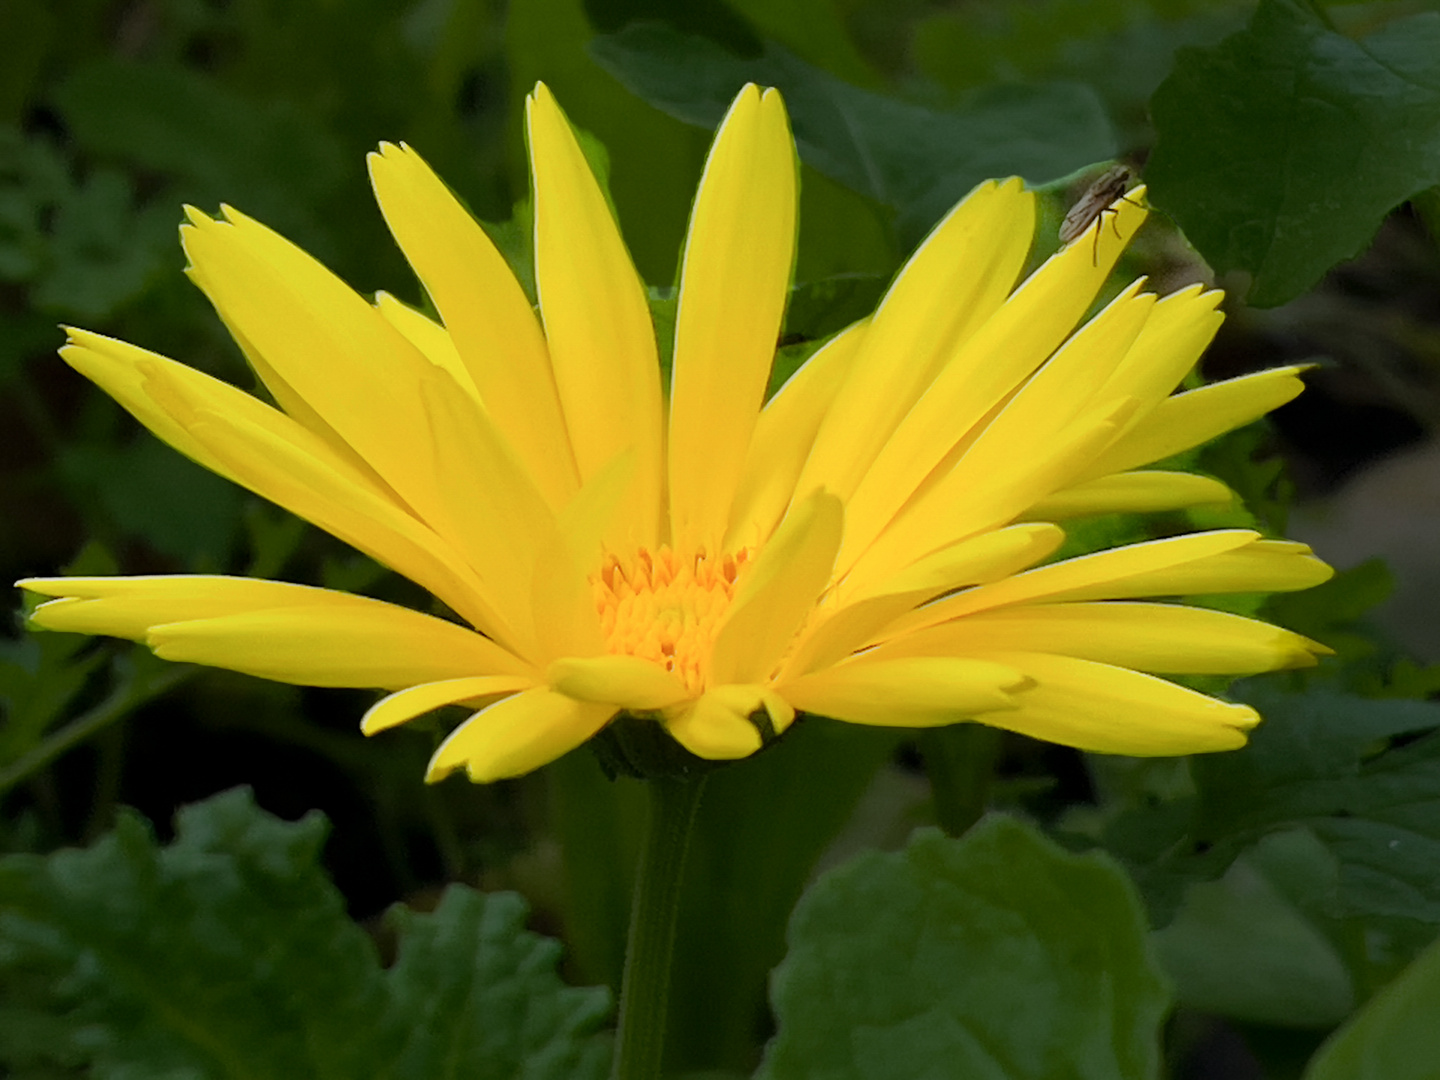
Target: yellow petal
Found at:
x=1132, y=493
x=248, y=442
x=517, y=735
x=1040, y=412
x=996, y=359
x=712, y=728
x=494, y=329
x=748, y=699
x=265, y=460
x=496, y=515
x=783, y=438
x=164, y=395
x=602, y=343
x=625, y=681
x=734, y=279
x=1263, y=566
x=1110, y=710
x=1067, y=383
x=911, y=692
x=1196, y=416
x=777, y=594
x=331, y=347
x=122, y=370
x=1177, y=332
x=947, y=290
x=384, y=646
x=290, y=633
x=858, y=618
x=566, y=620
x=432, y=339
x=1160, y=638
x=986, y=489
x=1089, y=577
x=406, y=705
x=128, y=607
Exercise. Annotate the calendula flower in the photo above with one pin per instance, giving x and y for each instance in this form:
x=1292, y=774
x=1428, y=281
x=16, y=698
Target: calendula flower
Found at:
x=866, y=545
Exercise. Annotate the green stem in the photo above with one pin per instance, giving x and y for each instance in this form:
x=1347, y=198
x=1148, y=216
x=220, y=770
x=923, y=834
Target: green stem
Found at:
x=645, y=989
x=133, y=693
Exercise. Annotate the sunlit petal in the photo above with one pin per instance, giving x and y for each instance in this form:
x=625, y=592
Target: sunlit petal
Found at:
x=733, y=282
x=1110, y=710
x=597, y=323
x=911, y=692
x=518, y=734
x=405, y=705
x=497, y=337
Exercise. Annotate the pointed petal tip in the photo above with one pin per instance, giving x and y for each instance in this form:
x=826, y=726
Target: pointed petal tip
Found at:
x=1243, y=717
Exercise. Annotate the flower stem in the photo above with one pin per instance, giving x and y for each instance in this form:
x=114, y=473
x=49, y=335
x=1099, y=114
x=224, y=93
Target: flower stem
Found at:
x=645, y=989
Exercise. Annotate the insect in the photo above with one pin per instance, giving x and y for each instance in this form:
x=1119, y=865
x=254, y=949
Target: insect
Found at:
x=1092, y=206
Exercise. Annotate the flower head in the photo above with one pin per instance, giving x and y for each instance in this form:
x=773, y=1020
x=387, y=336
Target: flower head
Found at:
x=867, y=545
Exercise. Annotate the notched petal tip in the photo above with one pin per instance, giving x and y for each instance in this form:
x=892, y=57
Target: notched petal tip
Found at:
x=710, y=729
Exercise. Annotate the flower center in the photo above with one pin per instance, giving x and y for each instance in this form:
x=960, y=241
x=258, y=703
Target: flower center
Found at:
x=666, y=606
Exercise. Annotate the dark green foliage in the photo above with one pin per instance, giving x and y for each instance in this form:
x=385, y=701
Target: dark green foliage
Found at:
x=1296, y=879
x=1332, y=810
x=995, y=956
x=228, y=953
x=1321, y=760
x=1282, y=148
x=1395, y=1037
x=915, y=160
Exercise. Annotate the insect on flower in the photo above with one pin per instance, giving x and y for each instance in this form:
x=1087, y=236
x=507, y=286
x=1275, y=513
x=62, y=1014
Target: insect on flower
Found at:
x=1094, y=204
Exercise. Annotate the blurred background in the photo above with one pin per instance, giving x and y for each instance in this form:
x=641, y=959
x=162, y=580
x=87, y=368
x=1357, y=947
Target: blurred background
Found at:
x=115, y=114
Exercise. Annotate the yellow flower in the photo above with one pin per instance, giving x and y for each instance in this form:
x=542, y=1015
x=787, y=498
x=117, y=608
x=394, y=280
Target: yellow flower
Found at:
x=863, y=546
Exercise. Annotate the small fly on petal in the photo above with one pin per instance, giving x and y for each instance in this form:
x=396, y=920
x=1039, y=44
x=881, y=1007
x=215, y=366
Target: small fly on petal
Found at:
x=1094, y=204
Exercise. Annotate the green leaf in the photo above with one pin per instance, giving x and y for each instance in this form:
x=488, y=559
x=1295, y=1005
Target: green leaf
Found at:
x=993, y=957
x=105, y=249
x=228, y=953
x=476, y=995
x=272, y=160
x=33, y=178
x=1395, y=1037
x=1242, y=947
x=40, y=677
x=85, y=248
x=916, y=160
x=1281, y=149
x=1361, y=776
x=814, y=30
